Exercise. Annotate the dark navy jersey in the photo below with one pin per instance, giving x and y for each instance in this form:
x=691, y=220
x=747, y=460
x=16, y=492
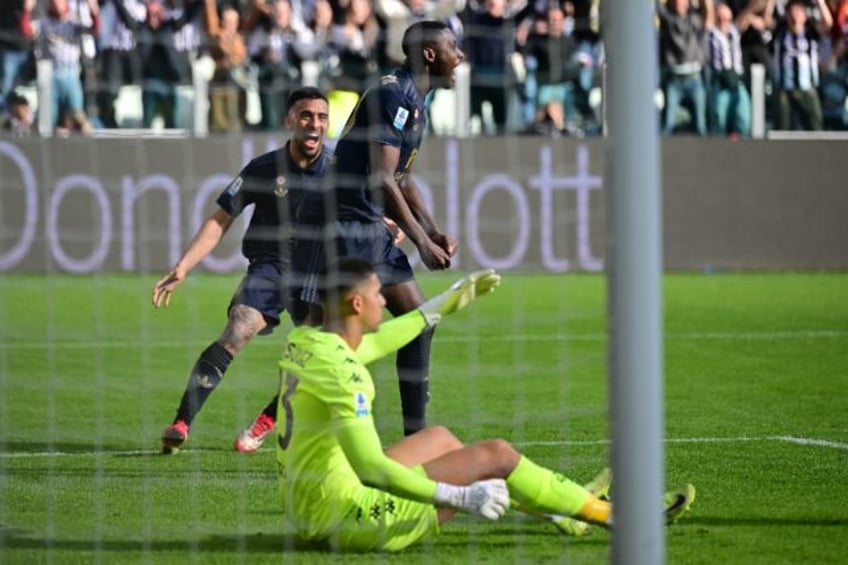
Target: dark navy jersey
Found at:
x=274, y=184
x=391, y=114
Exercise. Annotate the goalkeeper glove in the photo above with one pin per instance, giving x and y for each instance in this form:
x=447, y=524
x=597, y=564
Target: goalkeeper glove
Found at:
x=459, y=295
x=489, y=498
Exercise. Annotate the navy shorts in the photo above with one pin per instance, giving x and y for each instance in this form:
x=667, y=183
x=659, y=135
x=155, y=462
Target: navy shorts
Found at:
x=263, y=289
x=372, y=242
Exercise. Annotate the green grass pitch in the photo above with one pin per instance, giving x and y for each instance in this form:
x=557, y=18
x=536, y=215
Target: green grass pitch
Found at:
x=756, y=416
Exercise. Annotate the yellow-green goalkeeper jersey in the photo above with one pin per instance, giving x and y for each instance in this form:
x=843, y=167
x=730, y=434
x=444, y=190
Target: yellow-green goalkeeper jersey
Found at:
x=327, y=445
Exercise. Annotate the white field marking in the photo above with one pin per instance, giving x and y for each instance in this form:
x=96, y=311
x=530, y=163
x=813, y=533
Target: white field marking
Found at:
x=102, y=453
x=813, y=441
x=696, y=336
x=666, y=440
x=155, y=452
x=790, y=439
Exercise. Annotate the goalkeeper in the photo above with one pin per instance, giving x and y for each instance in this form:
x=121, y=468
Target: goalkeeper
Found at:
x=337, y=484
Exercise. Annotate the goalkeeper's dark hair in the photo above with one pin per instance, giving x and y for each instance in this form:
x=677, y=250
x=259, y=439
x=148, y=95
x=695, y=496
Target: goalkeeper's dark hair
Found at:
x=420, y=35
x=305, y=93
x=339, y=278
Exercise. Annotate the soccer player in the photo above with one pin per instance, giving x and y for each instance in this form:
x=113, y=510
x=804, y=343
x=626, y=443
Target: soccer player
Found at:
x=373, y=178
x=340, y=487
x=266, y=182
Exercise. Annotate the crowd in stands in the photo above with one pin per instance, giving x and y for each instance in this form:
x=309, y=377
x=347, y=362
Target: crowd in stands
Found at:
x=535, y=65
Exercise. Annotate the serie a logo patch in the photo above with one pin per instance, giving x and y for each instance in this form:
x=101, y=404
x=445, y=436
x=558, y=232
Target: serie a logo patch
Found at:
x=360, y=401
x=400, y=118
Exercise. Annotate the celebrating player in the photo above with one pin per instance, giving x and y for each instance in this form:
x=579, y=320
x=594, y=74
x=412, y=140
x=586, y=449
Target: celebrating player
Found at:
x=328, y=448
x=373, y=178
x=266, y=182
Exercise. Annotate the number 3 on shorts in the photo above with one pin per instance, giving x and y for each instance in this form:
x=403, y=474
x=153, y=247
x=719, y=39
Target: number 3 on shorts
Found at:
x=285, y=399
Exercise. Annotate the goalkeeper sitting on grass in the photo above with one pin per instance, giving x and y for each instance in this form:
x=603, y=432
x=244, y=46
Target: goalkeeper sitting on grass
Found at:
x=340, y=487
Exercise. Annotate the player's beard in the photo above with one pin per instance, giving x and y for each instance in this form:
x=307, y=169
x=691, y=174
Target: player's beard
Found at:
x=446, y=78
x=309, y=150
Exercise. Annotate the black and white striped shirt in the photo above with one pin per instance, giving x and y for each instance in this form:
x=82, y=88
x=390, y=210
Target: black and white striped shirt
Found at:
x=113, y=33
x=797, y=59
x=725, y=50
x=61, y=40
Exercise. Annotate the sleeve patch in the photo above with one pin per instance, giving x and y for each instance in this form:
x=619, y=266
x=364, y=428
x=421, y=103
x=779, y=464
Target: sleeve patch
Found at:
x=361, y=403
x=400, y=118
x=235, y=186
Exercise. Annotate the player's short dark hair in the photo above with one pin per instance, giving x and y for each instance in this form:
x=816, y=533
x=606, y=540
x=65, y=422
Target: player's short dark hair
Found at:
x=305, y=93
x=339, y=278
x=421, y=34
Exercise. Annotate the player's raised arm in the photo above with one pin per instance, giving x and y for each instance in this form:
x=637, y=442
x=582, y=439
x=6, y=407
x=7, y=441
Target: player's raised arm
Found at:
x=205, y=240
x=396, y=333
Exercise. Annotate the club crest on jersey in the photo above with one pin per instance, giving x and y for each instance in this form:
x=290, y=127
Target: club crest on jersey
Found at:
x=280, y=187
x=400, y=118
x=361, y=403
x=235, y=186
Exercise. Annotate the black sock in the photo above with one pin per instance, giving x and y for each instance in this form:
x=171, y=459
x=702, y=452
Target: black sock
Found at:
x=205, y=376
x=271, y=409
x=413, y=367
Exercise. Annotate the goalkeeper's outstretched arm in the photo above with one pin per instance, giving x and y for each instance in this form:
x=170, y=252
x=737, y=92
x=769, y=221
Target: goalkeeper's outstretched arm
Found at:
x=396, y=333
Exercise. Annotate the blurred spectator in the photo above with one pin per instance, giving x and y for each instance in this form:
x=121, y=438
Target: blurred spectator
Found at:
x=119, y=60
x=682, y=38
x=80, y=11
x=833, y=87
x=322, y=17
x=552, y=44
x=796, y=52
x=20, y=119
x=705, y=57
x=756, y=24
x=163, y=67
x=16, y=34
x=397, y=15
x=489, y=47
x=839, y=32
x=227, y=48
x=304, y=10
x=60, y=34
x=590, y=49
x=526, y=18
x=70, y=123
x=355, y=40
x=314, y=43
x=190, y=39
x=271, y=46
x=730, y=103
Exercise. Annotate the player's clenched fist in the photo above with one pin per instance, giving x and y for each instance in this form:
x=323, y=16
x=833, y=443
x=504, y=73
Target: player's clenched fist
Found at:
x=446, y=242
x=434, y=256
